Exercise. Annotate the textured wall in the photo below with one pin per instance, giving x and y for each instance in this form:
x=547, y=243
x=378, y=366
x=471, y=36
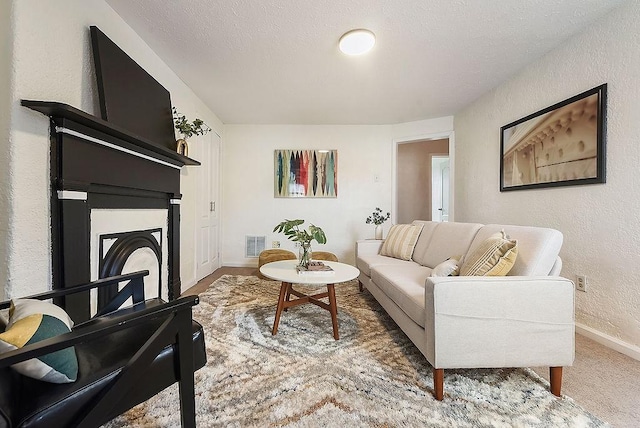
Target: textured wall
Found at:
x=249, y=207
x=52, y=60
x=600, y=223
x=5, y=104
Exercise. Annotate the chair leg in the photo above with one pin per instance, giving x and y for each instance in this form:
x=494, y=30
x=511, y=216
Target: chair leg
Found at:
x=438, y=383
x=186, y=383
x=555, y=375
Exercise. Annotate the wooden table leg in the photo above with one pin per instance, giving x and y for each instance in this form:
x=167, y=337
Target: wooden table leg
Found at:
x=287, y=296
x=284, y=291
x=333, y=308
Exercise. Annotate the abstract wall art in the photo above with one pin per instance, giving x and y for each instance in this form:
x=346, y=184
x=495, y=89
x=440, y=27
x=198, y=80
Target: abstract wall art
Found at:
x=306, y=173
x=562, y=145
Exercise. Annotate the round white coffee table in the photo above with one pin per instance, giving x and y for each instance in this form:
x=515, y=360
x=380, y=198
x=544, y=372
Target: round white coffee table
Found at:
x=285, y=271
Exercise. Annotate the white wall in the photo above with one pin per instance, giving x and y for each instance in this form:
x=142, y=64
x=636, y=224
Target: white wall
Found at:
x=5, y=105
x=52, y=60
x=600, y=223
x=249, y=207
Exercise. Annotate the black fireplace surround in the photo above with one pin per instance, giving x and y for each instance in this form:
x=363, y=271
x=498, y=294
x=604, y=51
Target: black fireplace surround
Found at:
x=98, y=165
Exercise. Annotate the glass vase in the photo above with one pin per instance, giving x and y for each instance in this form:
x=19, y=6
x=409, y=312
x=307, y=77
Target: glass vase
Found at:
x=378, y=231
x=304, y=254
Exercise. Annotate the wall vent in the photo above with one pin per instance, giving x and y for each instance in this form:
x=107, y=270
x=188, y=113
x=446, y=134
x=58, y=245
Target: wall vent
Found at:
x=254, y=245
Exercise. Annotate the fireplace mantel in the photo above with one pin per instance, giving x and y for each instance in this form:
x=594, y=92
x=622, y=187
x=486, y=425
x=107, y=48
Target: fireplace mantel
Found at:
x=59, y=111
x=95, y=165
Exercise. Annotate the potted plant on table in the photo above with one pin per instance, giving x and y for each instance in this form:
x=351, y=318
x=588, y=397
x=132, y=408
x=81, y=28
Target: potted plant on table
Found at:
x=378, y=218
x=188, y=130
x=291, y=229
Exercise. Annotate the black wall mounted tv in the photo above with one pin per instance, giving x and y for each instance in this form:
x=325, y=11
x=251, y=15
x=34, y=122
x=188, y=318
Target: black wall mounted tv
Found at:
x=129, y=96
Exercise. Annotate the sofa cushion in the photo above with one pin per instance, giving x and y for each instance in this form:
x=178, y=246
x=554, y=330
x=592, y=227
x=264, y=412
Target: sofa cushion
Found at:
x=404, y=284
x=401, y=241
x=449, y=239
x=424, y=239
x=368, y=261
x=538, y=247
x=494, y=257
x=32, y=321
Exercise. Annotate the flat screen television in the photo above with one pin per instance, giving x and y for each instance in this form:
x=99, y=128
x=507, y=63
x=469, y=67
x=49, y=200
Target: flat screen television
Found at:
x=129, y=96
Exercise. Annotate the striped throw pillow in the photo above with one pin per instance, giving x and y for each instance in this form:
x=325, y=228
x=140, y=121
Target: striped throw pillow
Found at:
x=494, y=257
x=401, y=241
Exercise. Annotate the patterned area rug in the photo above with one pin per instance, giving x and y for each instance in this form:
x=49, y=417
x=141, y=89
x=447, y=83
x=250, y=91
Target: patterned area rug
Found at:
x=372, y=377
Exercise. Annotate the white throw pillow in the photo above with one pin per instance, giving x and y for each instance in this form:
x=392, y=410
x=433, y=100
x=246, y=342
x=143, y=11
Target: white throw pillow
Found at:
x=448, y=267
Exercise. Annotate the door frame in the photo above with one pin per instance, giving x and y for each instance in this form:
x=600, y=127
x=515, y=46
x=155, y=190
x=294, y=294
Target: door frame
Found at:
x=450, y=135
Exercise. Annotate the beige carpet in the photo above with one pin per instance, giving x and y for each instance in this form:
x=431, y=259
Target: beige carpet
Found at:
x=372, y=377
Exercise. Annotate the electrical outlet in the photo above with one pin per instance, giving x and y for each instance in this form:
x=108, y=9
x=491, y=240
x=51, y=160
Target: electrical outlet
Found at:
x=275, y=244
x=581, y=283
x=296, y=244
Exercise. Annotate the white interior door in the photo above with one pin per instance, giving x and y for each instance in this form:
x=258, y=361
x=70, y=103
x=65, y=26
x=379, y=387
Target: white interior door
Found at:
x=208, y=207
x=440, y=188
x=444, y=171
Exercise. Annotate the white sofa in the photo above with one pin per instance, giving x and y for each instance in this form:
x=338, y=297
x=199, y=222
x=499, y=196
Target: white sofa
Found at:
x=524, y=319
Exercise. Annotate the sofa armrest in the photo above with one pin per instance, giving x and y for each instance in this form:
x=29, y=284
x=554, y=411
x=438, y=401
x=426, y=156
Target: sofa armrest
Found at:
x=510, y=321
x=368, y=246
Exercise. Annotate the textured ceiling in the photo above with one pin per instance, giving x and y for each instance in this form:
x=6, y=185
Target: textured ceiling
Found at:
x=277, y=61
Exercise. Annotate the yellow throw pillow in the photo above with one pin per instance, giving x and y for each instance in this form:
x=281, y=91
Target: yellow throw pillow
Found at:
x=494, y=257
x=401, y=241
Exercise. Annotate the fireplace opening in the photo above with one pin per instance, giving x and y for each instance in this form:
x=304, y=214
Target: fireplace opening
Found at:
x=129, y=240
x=127, y=252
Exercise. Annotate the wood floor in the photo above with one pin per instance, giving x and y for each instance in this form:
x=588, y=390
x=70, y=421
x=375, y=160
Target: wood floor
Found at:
x=603, y=381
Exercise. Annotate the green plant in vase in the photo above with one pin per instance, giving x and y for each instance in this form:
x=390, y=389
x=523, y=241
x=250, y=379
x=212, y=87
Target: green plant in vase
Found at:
x=292, y=230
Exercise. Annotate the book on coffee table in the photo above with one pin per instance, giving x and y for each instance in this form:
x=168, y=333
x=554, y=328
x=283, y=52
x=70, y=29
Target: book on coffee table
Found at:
x=315, y=268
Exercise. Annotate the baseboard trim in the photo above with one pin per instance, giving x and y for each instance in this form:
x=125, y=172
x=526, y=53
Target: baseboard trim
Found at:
x=609, y=341
x=187, y=285
x=241, y=264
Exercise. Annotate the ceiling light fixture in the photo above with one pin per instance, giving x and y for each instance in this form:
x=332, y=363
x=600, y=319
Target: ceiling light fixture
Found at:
x=357, y=42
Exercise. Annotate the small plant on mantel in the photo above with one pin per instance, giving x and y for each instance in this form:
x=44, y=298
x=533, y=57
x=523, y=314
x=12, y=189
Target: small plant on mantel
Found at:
x=189, y=129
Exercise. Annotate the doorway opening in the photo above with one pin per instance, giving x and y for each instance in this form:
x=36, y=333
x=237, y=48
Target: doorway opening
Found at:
x=423, y=179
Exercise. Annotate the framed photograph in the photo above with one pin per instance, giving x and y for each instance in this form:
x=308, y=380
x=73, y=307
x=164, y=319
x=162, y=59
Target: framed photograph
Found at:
x=562, y=145
x=306, y=173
